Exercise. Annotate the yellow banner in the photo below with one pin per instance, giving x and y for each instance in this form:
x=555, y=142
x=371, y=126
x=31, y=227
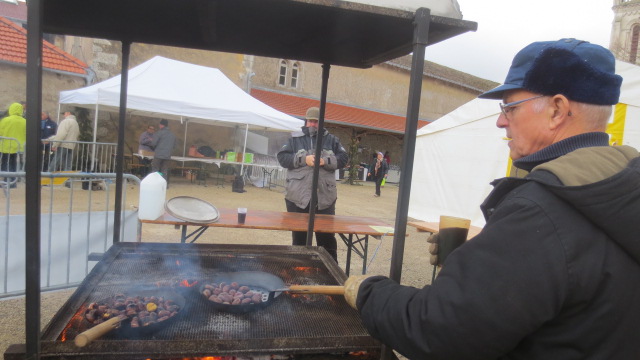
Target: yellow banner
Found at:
x=615, y=129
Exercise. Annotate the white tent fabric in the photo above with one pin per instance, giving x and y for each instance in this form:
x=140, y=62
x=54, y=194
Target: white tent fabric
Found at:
x=458, y=155
x=176, y=90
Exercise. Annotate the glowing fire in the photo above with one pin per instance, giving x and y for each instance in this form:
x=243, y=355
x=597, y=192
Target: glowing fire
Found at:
x=186, y=283
x=75, y=320
x=307, y=270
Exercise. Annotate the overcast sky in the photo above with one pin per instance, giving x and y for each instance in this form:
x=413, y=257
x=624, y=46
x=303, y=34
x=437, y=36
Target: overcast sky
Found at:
x=506, y=26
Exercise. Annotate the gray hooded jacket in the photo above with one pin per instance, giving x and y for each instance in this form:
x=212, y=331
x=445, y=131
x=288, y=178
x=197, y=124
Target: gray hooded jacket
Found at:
x=300, y=176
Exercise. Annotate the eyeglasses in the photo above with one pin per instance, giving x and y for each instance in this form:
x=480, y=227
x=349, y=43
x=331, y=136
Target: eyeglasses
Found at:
x=507, y=108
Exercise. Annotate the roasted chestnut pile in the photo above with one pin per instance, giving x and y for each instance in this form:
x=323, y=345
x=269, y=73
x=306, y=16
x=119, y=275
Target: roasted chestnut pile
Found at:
x=231, y=294
x=142, y=310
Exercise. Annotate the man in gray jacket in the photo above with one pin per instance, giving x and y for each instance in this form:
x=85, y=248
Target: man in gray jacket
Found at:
x=298, y=156
x=162, y=144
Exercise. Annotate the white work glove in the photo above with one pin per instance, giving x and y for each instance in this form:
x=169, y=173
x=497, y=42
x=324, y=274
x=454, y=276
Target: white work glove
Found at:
x=351, y=288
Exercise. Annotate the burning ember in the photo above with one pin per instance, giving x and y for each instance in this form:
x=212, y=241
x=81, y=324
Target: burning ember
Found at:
x=272, y=357
x=307, y=270
x=76, y=320
x=186, y=283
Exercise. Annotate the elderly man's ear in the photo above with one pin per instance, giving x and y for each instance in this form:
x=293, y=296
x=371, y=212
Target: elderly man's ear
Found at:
x=560, y=111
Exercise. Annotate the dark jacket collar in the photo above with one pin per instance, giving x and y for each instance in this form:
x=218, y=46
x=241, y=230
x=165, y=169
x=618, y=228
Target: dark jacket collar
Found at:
x=561, y=148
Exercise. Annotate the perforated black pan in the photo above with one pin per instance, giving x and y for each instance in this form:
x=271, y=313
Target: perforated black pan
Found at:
x=267, y=285
x=122, y=324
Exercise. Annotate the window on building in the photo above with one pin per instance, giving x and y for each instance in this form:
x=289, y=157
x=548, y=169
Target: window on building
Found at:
x=294, y=75
x=282, y=78
x=635, y=36
x=289, y=73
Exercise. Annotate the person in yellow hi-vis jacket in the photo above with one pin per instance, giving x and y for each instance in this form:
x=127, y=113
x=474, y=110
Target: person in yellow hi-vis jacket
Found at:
x=13, y=126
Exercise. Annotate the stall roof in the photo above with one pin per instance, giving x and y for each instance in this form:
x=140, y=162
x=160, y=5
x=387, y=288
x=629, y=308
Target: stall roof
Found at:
x=322, y=31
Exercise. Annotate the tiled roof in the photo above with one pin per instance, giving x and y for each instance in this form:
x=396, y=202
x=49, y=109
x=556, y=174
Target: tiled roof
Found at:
x=446, y=74
x=17, y=11
x=335, y=113
x=13, y=48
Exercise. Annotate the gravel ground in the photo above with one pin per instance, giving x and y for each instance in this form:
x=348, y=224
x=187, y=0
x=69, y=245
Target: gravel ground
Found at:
x=354, y=200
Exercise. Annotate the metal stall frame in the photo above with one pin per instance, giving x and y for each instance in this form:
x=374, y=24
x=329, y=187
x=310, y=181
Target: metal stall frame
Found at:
x=329, y=32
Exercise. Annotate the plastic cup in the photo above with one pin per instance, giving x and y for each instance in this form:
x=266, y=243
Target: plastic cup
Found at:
x=242, y=215
x=453, y=232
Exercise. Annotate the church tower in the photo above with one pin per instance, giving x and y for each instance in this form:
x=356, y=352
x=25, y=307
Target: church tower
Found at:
x=625, y=31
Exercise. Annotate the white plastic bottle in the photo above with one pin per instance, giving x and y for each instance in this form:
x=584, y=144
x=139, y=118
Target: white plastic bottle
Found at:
x=153, y=193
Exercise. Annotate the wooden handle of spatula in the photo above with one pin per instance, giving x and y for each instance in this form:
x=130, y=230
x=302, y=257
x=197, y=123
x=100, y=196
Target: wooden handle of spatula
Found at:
x=317, y=289
x=86, y=337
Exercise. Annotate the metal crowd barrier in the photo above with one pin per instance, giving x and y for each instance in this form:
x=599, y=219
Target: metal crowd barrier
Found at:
x=85, y=156
x=11, y=156
x=270, y=176
x=76, y=221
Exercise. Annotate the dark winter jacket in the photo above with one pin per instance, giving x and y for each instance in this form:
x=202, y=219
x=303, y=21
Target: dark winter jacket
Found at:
x=300, y=176
x=48, y=128
x=554, y=274
x=382, y=171
x=163, y=142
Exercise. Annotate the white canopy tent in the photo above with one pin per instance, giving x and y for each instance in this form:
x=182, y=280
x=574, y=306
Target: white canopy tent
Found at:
x=458, y=155
x=175, y=90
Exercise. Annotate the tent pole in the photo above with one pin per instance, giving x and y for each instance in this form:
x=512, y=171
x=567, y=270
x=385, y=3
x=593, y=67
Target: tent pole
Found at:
x=184, y=146
x=95, y=119
x=95, y=130
x=244, y=149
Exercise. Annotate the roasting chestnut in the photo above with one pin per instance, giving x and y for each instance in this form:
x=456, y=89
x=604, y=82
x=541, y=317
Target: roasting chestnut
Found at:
x=142, y=311
x=231, y=294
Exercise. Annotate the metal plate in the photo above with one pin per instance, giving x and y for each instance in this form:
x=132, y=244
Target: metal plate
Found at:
x=192, y=209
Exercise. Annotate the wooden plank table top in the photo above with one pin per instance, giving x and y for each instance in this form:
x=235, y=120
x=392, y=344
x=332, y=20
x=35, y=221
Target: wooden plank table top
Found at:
x=353, y=230
x=426, y=226
x=276, y=220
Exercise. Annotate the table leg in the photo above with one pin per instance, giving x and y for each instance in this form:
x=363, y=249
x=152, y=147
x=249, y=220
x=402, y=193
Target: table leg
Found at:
x=364, y=258
x=349, y=242
x=199, y=231
x=183, y=236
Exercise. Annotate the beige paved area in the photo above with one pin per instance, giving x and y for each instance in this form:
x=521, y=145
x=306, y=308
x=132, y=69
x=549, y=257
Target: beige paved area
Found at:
x=352, y=200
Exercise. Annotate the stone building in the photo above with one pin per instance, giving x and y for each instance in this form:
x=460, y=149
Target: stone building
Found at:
x=625, y=30
x=60, y=70
x=367, y=103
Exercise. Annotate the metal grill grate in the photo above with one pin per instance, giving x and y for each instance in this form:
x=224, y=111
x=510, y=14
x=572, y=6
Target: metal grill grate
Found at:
x=290, y=324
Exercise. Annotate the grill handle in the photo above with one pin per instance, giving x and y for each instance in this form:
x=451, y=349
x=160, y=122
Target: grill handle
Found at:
x=316, y=289
x=86, y=337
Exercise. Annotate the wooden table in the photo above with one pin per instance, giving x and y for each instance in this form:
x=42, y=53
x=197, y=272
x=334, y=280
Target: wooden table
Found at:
x=353, y=230
x=432, y=227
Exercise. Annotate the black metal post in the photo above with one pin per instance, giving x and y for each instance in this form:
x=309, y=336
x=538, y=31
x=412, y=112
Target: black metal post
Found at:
x=124, y=81
x=420, y=40
x=33, y=162
x=316, y=167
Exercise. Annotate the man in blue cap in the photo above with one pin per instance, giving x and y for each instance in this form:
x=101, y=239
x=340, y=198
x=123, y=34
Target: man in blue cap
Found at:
x=554, y=273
